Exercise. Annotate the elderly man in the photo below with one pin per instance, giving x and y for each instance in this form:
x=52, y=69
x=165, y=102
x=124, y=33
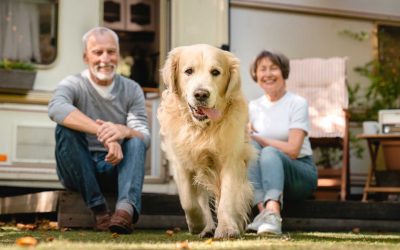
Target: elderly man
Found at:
x=102, y=133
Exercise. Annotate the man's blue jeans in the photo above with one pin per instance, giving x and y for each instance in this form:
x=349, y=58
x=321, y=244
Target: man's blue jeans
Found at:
x=275, y=176
x=86, y=172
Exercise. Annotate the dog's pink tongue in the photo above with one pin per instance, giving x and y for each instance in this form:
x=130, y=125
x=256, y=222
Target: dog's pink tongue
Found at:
x=212, y=113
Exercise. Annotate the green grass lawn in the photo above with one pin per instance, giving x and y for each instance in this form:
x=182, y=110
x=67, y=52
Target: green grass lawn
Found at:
x=159, y=239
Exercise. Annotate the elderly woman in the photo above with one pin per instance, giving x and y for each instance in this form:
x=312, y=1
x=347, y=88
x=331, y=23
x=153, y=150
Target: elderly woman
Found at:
x=279, y=125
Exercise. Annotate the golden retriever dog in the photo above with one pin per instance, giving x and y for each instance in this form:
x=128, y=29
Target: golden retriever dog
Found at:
x=203, y=117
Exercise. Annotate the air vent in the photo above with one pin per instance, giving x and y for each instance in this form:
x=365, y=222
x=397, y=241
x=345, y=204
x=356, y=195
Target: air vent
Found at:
x=35, y=144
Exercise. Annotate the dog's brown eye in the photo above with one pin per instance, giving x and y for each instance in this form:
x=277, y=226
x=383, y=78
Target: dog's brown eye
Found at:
x=189, y=71
x=215, y=72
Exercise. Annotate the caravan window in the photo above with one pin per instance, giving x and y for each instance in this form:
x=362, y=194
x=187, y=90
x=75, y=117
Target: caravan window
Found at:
x=388, y=45
x=28, y=30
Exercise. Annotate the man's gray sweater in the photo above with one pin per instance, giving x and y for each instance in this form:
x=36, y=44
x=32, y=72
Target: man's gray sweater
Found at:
x=124, y=105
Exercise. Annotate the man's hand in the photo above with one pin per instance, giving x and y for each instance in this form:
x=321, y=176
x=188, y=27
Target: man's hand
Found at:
x=110, y=132
x=115, y=154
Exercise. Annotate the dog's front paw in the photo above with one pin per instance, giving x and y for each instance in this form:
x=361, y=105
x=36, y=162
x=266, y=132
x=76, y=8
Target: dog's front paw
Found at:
x=195, y=228
x=227, y=233
x=207, y=233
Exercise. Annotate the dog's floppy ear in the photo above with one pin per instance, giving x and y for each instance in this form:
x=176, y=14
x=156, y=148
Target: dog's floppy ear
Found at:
x=234, y=74
x=170, y=70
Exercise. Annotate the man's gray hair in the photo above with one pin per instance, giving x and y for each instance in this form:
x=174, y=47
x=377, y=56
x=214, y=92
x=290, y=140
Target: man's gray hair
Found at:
x=99, y=31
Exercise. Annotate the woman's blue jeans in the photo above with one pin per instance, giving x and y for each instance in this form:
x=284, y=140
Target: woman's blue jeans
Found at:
x=87, y=173
x=275, y=176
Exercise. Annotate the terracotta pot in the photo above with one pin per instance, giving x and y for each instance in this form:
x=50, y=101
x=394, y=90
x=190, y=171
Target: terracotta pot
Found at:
x=391, y=154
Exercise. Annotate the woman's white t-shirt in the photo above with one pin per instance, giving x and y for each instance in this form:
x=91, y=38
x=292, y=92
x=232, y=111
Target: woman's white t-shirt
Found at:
x=274, y=119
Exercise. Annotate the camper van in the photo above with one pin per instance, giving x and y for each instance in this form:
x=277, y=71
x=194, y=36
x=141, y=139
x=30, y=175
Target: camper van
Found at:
x=148, y=29
x=54, y=32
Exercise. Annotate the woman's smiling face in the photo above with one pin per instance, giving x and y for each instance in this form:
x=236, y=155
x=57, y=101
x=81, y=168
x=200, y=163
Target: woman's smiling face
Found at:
x=269, y=76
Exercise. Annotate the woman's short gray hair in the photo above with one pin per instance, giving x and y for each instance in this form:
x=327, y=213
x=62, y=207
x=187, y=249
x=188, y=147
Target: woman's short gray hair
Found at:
x=277, y=58
x=99, y=31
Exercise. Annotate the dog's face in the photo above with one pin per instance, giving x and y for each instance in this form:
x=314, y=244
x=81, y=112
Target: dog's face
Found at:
x=204, y=77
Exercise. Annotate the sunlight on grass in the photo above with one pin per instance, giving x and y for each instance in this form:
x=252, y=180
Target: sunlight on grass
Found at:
x=159, y=239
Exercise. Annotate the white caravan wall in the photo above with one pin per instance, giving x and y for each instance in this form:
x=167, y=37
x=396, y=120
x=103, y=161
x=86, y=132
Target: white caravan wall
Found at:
x=297, y=36
x=380, y=7
x=75, y=18
x=199, y=21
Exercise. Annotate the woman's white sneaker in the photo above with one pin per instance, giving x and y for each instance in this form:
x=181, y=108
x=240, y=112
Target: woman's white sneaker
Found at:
x=271, y=223
x=256, y=223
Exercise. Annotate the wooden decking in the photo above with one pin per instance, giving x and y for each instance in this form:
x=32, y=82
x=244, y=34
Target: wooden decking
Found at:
x=161, y=211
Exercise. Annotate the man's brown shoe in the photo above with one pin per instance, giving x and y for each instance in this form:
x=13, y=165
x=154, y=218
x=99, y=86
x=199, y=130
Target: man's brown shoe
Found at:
x=102, y=222
x=121, y=222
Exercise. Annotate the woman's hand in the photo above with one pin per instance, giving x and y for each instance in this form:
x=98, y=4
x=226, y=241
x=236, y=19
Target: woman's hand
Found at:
x=251, y=128
x=254, y=135
x=259, y=139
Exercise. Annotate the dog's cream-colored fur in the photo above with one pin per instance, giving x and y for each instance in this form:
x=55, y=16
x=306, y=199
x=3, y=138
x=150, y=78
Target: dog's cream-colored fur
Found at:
x=203, y=116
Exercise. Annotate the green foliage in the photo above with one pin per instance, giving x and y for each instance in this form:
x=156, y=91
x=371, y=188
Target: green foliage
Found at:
x=383, y=74
x=10, y=65
x=384, y=87
x=328, y=157
x=359, y=36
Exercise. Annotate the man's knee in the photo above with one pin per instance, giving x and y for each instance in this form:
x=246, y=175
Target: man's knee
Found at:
x=134, y=144
x=67, y=133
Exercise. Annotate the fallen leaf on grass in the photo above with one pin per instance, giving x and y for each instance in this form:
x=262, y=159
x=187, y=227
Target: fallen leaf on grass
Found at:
x=64, y=229
x=114, y=235
x=26, y=241
x=26, y=226
x=183, y=245
x=209, y=241
x=169, y=233
x=49, y=239
x=48, y=225
x=53, y=225
x=9, y=228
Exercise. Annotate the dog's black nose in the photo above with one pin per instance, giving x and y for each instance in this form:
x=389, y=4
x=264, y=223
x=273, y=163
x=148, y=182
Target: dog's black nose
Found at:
x=201, y=95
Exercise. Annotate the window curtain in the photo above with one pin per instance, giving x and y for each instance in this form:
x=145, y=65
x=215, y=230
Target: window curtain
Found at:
x=19, y=30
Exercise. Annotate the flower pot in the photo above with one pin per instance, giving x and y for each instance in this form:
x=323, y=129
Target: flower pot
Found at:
x=16, y=80
x=391, y=154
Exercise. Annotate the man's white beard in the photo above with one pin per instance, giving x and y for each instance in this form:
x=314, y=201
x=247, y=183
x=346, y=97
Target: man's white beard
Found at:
x=103, y=76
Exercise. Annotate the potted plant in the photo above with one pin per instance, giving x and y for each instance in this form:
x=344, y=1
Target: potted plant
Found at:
x=383, y=93
x=16, y=76
x=384, y=87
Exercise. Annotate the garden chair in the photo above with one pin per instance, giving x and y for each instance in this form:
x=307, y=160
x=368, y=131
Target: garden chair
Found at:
x=323, y=83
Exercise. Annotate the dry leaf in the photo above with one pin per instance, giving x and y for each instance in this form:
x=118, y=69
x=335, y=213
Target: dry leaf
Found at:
x=64, y=229
x=114, y=235
x=209, y=241
x=49, y=239
x=48, y=225
x=182, y=245
x=169, y=232
x=26, y=241
x=53, y=225
x=26, y=226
